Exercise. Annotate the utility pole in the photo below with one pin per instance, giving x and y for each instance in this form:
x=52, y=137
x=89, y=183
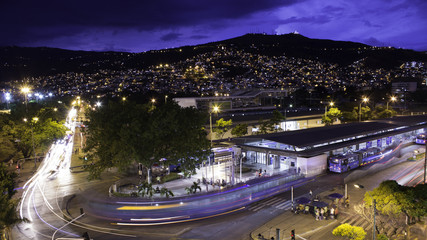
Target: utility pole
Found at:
x=425, y=161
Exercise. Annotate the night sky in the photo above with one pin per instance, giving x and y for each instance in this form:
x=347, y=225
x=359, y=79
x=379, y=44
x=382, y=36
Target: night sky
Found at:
x=140, y=25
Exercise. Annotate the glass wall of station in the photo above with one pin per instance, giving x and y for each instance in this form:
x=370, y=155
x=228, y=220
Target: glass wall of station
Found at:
x=274, y=161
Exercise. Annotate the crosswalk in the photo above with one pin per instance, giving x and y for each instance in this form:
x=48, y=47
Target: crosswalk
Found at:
x=357, y=220
x=275, y=202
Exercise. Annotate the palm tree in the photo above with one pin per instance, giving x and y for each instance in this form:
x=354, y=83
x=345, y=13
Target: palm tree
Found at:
x=193, y=188
x=146, y=189
x=166, y=192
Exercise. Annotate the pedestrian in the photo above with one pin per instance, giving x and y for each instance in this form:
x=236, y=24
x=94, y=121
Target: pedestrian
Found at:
x=317, y=214
x=299, y=170
x=321, y=213
x=347, y=202
x=332, y=213
x=310, y=193
x=265, y=172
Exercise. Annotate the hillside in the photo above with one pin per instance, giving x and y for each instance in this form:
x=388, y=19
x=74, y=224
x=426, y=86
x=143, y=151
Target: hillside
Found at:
x=21, y=62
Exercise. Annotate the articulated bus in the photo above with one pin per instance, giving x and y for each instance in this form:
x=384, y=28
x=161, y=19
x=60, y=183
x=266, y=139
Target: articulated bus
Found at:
x=345, y=162
x=421, y=138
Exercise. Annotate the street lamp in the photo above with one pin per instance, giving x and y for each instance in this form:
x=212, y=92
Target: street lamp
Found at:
x=374, y=203
x=331, y=104
x=7, y=97
x=364, y=100
x=35, y=119
x=215, y=109
x=392, y=99
x=26, y=90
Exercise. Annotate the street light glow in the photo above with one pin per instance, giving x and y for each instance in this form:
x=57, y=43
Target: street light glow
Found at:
x=215, y=109
x=7, y=96
x=25, y=90
x=365, y=99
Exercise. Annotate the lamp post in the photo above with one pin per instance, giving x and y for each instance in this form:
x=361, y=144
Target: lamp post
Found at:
x=392, y=99
x=215, y=109
x=425, y=161
x=7, y=97
x=153, y=101
x=373, y=204
x=25, y=91
x=364, y=100
x=34, y=120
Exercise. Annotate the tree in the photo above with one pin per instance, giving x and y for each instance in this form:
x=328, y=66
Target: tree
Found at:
x=193, y=188
x=365, y=113
x=349, y=232
x=40, y=131
x=8, y=214
x=222, y=127
x=326, y=120
x=166, y=192
x=331, y=116
x=264, y=126
x=393, y=200
x=349, y=116
x=334, y=114
x=382, y=112
x=240, y=130
x=275, y=120
x=7, y=150
x=119, y=135
x=146, y=189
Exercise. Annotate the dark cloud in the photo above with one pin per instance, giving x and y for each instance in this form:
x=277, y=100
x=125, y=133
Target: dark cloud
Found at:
x=140, y=25
x=369, y=24
x=374, y=42
x=320, y=19
x=198, y=36
x=170, y=37
x=332, y=10
x=28, y=20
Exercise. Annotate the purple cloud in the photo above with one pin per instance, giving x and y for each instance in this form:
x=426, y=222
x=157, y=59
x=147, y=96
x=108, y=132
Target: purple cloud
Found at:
x=138, y=25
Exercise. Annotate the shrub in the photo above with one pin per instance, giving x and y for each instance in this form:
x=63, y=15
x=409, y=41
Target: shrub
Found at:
x=172, y=176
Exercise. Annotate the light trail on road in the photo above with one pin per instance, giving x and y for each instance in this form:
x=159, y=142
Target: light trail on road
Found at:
x=53, y=173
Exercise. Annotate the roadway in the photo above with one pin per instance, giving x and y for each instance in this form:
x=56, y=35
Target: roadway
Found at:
x=44, y=194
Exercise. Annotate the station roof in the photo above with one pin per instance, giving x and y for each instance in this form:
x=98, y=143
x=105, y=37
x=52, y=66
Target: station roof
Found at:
x=321, y=135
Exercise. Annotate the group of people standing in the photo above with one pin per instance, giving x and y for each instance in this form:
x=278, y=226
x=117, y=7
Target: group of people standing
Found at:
x=325, y=213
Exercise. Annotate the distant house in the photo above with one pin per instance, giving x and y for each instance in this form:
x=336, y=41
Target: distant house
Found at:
x=405, y=84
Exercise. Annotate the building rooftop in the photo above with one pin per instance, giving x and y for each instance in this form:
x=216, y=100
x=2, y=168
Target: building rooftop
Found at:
x=312, y=140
